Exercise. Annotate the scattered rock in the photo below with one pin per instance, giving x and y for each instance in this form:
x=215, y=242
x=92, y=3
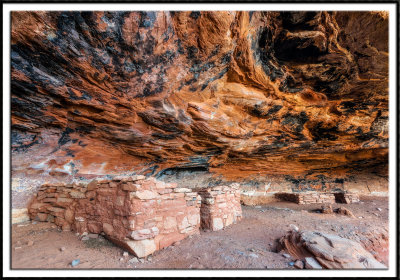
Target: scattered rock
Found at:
x=141, y=260
x=85, y=238
x=75, y=262
x=379, y=209
x=149, y=258
x=30, y=243
x=312, y=263
x=134, y=260
x=329, y=251
x=93, y=235
x=258, y=207
x=239, y=252
x=42, y=217
x=121, y=259
x=345, y=211
x=125, y=254
x=299, y=264
x=17, y=248
x=294, y=227
x=62, y=249
x=286, y=256
x=34, y=223
x=291, y=263
x=22, y=225
x=326, y=209
x=253, y=255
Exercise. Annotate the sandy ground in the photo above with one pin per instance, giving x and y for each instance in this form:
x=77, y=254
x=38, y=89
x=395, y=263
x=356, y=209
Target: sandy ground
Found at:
x=249, y=244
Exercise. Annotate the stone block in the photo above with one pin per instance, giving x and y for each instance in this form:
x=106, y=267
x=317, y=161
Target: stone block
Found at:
x=75, y=194
x=42, y=217
x=92, y=185
x=131, y=187
x=94, y=227
x=63, y=201
x=143, y=195
x=50, y=200
x=108, y=229
x=182, y=190
x=69, y=216
x=217, y=224
x=170, y=223
x=142, y=248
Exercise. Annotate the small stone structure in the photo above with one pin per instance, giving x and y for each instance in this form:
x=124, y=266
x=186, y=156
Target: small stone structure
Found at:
x=318, y=197
x=220, y=206
x=141, y=215
x=307, y=197
x=347, y=198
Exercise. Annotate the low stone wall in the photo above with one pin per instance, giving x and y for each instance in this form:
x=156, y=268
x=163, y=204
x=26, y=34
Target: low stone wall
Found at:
x=347, y=198
x=315, y=197
x=220, y=207
x=307, y=198
x=141, y=215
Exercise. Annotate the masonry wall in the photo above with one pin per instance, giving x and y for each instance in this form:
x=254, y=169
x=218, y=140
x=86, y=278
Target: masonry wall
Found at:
x=307, y=198
x=318, y=197
x=221, y=207
x=141, y=215
x=347, y=198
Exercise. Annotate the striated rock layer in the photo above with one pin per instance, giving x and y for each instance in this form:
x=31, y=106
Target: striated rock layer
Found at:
x=329, y=251
x=300, y=98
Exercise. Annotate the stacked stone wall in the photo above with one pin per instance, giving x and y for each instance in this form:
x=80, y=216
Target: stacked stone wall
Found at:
x=142, y=215
x=307, y=198
x=347, y=198
x=139, y=214
x=220, y=207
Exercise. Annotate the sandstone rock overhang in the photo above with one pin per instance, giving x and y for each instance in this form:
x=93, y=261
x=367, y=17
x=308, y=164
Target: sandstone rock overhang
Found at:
x=300, y=95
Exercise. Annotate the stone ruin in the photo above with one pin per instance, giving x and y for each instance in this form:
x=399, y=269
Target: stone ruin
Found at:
x=141, y=215
x=347, y=198
x=220, y=206
x=318, y=197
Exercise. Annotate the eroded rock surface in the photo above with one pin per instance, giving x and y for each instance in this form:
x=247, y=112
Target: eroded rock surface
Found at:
x=329, y=251
x=300, y=96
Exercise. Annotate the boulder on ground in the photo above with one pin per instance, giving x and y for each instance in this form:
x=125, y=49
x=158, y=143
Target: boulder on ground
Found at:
x=328, y=251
